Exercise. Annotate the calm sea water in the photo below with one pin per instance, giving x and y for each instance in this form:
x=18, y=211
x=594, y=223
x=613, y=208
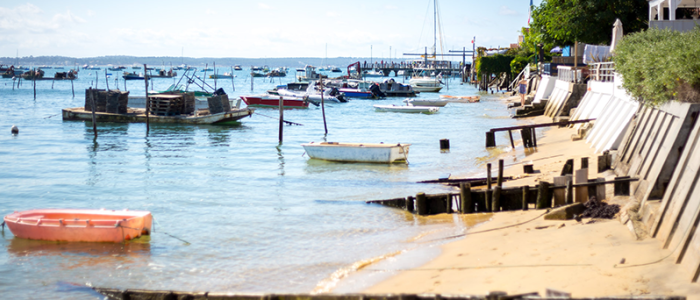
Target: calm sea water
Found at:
x=249, y=214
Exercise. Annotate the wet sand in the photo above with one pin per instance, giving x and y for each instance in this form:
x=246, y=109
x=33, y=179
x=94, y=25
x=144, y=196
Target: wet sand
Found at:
x=592, y=258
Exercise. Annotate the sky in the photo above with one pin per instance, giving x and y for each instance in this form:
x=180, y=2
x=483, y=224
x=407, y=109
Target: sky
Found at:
x=255, y=29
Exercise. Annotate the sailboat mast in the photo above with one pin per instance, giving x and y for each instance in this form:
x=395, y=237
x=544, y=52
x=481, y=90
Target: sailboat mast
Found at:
x=435, y=28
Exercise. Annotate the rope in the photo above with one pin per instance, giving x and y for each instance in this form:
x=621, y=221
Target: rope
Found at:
x=288, y=122
x=492, y=229
x=170, y=235
x=656, y=261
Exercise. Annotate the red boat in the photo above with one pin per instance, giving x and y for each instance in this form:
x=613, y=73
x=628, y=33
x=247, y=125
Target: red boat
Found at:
x=268, y=100
x=79, y=225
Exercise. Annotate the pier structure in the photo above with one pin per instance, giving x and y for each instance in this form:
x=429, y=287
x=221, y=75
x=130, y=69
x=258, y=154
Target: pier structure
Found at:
x=409, y=67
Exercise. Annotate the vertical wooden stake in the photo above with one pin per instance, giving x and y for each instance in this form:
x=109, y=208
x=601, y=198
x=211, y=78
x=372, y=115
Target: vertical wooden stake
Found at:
x=544, y=196
x=106, y=81
x=466, y=205
x=71, y=88
x=148, y=101
x=409, y=204
x=251, y=81
x=323, y=109
x=421, y=204
x=94, y=119
x=512, y=144
x=215, y=76
x=34, y=82
x=281, y=117
x=488, y=188
x=533, y=135
x=526, y=192
x=569, y=192
x=499, y=180
x=53, y=81
x=97, y=78
x=496, y=199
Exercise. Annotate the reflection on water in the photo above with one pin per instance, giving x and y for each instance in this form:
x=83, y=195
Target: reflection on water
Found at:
x=260, y=217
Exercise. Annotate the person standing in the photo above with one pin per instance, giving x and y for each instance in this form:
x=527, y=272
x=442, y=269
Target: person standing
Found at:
x=522, y=89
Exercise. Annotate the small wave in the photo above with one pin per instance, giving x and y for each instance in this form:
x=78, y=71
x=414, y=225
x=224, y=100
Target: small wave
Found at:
x=329, y=283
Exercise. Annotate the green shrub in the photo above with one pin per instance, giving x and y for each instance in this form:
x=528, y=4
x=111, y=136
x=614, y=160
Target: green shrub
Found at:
x=518, y=64
x=494, y=64
x=660, y=65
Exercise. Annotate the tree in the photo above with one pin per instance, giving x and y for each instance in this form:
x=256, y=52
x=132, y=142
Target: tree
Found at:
x=563, y=22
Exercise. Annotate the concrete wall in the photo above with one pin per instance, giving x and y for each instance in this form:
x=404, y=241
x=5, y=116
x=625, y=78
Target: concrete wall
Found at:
x=544, y=91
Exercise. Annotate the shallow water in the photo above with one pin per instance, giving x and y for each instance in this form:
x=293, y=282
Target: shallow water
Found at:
x=256, y=215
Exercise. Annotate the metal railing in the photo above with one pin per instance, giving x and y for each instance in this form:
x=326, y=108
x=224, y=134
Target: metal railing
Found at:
x=566, y=73
x=604, y=72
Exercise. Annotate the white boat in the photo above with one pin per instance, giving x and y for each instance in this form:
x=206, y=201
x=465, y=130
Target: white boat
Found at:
x=312, y=95
x=426, y=102
x=426, y=84
x=460, y=99
x=407, y=109
x=356, y=152
x=373, y=73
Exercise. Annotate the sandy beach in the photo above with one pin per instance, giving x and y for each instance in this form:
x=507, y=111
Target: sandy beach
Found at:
x=520, y=252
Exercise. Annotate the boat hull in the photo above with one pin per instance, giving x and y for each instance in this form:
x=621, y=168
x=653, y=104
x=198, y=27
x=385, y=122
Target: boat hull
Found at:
x=79, y=225
x=460, y=99
x=356, y=152
x=419, y=102
x=353, y=93
x=262, y=101
x=138, y=115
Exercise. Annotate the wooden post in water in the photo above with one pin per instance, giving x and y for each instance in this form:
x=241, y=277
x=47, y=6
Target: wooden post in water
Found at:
x=533, y=136
x=409, y=204
x=281, y=117
x=71, y=88
x=215, y=77
x=34, y=81
x=526, y=192
x=125, y=85
x=148, y=102
x=53, y=81
x=488, y=187
x=251, y=81
x=421, y=204
x=490, y=139
x=97, y=78
x=465, y=195
x=94, y=119
x=569, y=191
x=544, y=197
x=323, y=109
x=512, y=144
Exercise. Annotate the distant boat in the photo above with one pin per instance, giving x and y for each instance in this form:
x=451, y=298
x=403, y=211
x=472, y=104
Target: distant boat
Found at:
x=336, y=70
x=358, y=152
x=219, y=76
x=207, y=70
x=79, y=225
x=407, y=109
x=237, y=67
x=132, y=76
x=426, y=102
x=426, y=84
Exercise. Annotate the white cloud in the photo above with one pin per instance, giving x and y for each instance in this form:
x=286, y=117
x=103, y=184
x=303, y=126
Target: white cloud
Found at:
x=68, y=17
x=505, y=11
x=331, y=14
x=90, y=13
x=264, y=6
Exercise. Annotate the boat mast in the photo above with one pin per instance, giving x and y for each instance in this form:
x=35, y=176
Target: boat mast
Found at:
x=435, y=29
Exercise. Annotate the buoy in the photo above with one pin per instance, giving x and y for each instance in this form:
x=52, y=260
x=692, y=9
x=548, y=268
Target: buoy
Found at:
x=14, y=129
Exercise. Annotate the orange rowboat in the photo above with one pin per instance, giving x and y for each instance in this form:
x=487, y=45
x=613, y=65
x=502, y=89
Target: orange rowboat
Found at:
x=462, y=99
x=79, y=225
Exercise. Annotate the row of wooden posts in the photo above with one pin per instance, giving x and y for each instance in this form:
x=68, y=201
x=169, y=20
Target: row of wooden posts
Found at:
x=498, y=198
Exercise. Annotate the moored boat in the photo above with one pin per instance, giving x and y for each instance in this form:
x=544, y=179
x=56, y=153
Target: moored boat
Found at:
x=358, y=152
x=79, y=225
x=407, y=109
x=461, y=99
x=267, y=100
x=426, y=102
x=426, y=84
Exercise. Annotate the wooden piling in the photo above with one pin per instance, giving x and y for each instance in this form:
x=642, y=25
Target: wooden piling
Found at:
x=251, y=81
x=71, y=88
x=490, y=139
x=444, y=144
x=34, y=83
x=421, y=204
x=233, y=86
x=466, y=205
x=496, y=199
x=525, y=135
x=148, y=102
x=499, y=180
x=569, y=191
x=106, y=81
x=94, y=107
x=97, y=78
x=510, y=134
x=544, y=196
x=410, y=204
x=488, y=187
x=526, y=192
x=215, y=79
x=448, y=203
x=533, y=136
